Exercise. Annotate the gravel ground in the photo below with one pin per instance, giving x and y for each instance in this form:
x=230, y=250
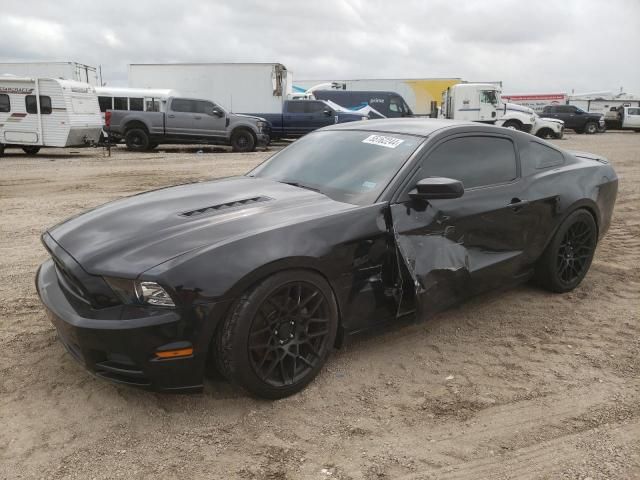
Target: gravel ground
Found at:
x=522, y=384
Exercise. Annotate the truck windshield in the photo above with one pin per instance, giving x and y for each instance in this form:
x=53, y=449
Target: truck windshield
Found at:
x=351, y=166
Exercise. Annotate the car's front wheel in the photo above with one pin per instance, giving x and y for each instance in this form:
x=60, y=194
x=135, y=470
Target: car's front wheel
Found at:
x=279, y=334
x=591, y=128
x=568, y=256
x=243, y=141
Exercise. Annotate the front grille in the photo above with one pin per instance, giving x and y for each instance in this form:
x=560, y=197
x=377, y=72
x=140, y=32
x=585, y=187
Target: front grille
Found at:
x=225, y=206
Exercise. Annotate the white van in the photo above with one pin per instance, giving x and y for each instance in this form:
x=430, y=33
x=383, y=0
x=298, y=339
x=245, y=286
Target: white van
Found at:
x=47, y=112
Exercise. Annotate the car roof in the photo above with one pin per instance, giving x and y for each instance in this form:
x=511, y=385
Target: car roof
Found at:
x=411, y=126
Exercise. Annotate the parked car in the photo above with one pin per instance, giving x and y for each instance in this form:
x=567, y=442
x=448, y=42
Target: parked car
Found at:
x=349, y=228
x=629, y=118
x=187, y=120
x=547, y=127
x=575, y=118
x=388, y=104
x=299, y=117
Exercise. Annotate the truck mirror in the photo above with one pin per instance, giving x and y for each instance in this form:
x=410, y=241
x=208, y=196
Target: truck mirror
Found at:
x=328, y=113
x=217, y=112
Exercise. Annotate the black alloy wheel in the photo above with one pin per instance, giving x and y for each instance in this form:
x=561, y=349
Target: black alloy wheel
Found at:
x=243, y=141
x=568, y=256
x=137, y=140
x=575, y=252
x=289, y=334
x=278, y=335
x=590, y=128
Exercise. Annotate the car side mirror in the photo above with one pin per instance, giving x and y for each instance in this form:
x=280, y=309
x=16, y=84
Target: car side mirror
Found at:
x=432, y=188
x=217, y=112
x=328, y=113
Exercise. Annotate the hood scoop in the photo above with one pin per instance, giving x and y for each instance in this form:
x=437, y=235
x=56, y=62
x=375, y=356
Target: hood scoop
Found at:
x=225, y=206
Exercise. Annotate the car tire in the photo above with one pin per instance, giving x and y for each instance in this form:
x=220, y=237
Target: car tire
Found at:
x=278, y=335
x=545, y=133
x=137, y=140
x=31, y=150
x=590, y=128
x=243, y=141
x=567, y=258
x=512, y=124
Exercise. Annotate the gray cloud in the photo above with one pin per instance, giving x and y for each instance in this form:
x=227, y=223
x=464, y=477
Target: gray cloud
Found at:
x=545, y=45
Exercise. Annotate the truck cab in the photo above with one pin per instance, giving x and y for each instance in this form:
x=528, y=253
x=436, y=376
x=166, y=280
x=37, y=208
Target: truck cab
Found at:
x=481, y=102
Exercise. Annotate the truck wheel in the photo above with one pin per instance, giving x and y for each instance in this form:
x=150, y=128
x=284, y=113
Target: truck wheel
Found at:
x=31, y=150
x=512, y=124
x=591, y=128
x=137, y=140
x=243, y=141
x=545, y=133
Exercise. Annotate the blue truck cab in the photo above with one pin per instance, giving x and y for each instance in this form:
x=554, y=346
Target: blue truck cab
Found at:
x=300, y=117
x=389, y=104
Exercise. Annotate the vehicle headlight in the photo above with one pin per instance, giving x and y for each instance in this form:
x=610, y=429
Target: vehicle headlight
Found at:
x=153, y=294
x=261, y=124
x=135, y=292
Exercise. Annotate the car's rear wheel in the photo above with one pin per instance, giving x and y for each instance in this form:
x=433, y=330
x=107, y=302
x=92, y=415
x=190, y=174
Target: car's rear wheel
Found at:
x=243, y=141
x=568, y=257
x=591, y=128
x=31, y=150
x=137, y=140
x=279, y=334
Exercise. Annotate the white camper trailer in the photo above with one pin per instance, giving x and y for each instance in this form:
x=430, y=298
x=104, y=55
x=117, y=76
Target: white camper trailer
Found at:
x=47, y=112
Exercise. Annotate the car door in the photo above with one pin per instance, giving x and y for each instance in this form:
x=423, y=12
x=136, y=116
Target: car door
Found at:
x=319, y=115
x=293, y=117
x=567, y=113
x=631, y=118
x=206, y=123
x=179, y=118
x=453, y=248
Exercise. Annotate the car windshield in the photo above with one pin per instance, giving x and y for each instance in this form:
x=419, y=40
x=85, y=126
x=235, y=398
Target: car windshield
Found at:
x=351, y=166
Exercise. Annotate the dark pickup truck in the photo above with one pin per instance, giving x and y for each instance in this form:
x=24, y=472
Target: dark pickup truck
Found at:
x=575, y=118
x=187, y=120
x=300, y=117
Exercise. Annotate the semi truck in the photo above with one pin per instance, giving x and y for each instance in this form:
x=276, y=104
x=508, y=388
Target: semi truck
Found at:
x=482, y=102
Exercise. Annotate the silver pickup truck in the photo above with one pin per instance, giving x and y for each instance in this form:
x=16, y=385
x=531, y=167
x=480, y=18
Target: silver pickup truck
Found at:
x=187, y=120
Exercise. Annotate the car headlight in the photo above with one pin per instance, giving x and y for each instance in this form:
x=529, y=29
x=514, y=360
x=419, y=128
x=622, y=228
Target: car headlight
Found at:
x=136, y=292
x=261, y=124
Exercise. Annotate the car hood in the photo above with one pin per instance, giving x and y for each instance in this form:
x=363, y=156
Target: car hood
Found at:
x=552, y=120
x=129, y=236
x=253, y=117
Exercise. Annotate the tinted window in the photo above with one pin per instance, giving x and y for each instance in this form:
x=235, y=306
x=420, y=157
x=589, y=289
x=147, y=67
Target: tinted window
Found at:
x=5, y=103
x=203, y=107
x=296, y=107
x=549, y=109
x=183, y=105
x=120, y=103
x=348, y=166
x=106, y=103
x=313, y=107
x=136, y=104
x=475, y=161
x=395, y=105
x=566, y=109
x=32, y=106
x=631, y=111
x=540, y=156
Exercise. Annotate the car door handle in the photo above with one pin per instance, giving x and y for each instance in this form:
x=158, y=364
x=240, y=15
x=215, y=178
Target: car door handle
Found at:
x=517, y=204
x=197, y=118
x=171, y=116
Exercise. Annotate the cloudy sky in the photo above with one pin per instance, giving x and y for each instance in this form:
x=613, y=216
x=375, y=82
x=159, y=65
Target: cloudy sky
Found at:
x=542, y=45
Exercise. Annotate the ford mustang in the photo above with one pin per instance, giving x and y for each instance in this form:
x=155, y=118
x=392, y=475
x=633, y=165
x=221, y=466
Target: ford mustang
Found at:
x=352, y=227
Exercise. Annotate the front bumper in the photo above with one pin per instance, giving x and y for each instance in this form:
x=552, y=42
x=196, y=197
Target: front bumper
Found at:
x=263, y=139
x=122, y=348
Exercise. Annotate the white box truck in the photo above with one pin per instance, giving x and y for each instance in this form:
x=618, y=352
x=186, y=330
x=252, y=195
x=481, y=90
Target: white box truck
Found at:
x=64, y=70
x=47, y=112
x=238, y=87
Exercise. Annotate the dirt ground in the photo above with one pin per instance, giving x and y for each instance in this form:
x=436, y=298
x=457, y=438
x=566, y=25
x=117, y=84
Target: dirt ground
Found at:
x=522, y=384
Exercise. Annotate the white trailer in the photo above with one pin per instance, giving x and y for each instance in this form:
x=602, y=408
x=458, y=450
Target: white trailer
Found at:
x=238, y=87
x=64, y=70
x=47, y=112
x=422, y=95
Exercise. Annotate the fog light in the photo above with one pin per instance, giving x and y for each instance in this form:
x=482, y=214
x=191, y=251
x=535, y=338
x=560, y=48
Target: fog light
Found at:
x=180, y=352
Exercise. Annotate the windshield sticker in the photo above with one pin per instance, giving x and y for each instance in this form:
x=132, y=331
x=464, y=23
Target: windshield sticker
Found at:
x=369, y=185
x=381, y=140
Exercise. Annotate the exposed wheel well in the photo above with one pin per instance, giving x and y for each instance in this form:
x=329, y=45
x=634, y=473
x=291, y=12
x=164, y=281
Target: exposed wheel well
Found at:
x=246, y=129
x=543, y=132
x=135, y=124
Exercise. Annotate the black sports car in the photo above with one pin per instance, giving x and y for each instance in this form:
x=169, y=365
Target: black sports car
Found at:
x=351, y=227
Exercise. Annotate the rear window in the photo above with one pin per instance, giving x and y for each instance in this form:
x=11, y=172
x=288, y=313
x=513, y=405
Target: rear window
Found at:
x=296, y=107
x=539, y=156
x=183, y=105
x=120, y=103
x=32, y=106
x=5, y=103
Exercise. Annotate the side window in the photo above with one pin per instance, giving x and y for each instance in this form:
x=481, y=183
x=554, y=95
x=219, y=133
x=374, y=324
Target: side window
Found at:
x=120, y=103
x=203, y=107
x=5, y=103
x=296, y=107
x=106, y=103
x=548, y=110
x=538, y=156
x=488, y=96
x=395, y=105
x=182, y=105
x=151, y=105
x=136, y=104
x=32, y=106
x=314, y=107
x=475, y=161
x=634, y=111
